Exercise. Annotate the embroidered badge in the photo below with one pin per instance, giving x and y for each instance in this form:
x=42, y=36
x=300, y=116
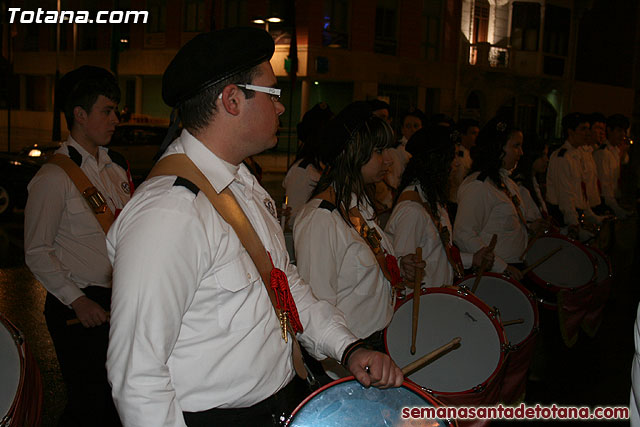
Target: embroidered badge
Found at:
x=125, y=187
x=268, y=203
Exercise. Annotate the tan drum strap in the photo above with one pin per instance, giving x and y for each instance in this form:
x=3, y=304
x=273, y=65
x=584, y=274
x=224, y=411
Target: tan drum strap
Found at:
x=94, y=198
x=227, y=206
x=443, y=232
x=370, y=235
x=515, y=201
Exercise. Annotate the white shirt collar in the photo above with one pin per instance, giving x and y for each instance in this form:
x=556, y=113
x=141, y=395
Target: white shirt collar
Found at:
x=103, y=157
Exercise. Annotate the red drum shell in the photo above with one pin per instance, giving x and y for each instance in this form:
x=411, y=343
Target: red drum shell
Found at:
x=24, y=401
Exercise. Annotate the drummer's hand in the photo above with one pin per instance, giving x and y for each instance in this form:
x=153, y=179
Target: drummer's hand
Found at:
x=383, y=372
x=513, y=272
x=539, y=226
x=89, y=313
x=408, y=265
x=485, y=255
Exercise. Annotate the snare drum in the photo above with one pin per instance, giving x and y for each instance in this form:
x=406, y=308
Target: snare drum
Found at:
x=469, y=374
x=512, y=301
x=346, y=402
x=21, y=385
x=570, y=269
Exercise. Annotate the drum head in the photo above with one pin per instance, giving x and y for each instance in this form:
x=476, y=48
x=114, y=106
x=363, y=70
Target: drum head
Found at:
x=443, y=316
x=512, y=303
x=602, y=262
x=570, y=268
x=347, y=403
x=9, y=369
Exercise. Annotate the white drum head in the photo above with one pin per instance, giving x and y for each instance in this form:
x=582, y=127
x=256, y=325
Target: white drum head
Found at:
x=510, y=301
x=569, y=268
x=9, y=370
x=442, y=318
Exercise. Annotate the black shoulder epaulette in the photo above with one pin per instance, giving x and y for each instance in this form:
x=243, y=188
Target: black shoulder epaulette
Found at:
x=482, y=176
x=561, y=152
x=460, y=153
x=182, y=182
x=303, y=164
x=118, y=159
x=327, y=205
x=75, y=155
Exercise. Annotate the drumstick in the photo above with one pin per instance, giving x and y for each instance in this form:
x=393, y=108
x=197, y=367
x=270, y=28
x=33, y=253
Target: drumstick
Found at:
x=541, y=260
x=427, y=358
x=75, y=321
x=416, y=301
x=513, y=322
x=531, y=242
x=483, y=266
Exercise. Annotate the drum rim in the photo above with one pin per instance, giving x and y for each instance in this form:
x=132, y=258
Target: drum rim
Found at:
x=461, y=293
x=528, y=293
x=405, y=383
x=18, y=340
x=607, y=261
x=556, y=289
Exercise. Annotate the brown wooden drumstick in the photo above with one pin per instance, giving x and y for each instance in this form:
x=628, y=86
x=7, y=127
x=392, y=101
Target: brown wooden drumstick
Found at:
x=541, y=260
x=427, y=358
x=513, y=322
x=483, y=265
x=416, y=302
x=76, y=321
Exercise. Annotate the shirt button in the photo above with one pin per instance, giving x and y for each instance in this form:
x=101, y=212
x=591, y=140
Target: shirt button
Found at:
x=249, y=276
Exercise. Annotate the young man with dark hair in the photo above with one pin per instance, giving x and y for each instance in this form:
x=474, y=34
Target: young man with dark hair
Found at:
x=195, y=338
x=468, y=130
x=608, y=159
x=567, y=200
x=72, y=200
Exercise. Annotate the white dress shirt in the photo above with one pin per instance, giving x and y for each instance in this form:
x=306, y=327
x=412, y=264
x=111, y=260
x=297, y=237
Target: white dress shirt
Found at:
x=298, y=185
x=563, y=182
x=531, y=209
x=399, y=157
x=192, y=326
x=342, y=269
x=63, y=242
x=607, y=159
x=410, y=227
x=485, y=210
x=590, y=175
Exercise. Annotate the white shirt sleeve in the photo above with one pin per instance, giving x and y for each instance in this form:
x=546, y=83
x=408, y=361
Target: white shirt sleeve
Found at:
x=473, y=213
x=153, y=253
x=42, y=217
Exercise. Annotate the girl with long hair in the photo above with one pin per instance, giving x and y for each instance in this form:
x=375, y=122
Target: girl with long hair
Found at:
x=420, y=217
x=489, y=201
x=341, y=251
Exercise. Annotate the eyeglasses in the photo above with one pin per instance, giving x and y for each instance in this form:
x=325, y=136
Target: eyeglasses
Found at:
x=272, y=91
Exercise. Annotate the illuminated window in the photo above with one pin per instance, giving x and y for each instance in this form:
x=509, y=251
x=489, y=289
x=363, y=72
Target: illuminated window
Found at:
x=481, y=21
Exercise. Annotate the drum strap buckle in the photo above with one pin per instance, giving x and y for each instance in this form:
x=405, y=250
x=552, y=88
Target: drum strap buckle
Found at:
x=95, y=199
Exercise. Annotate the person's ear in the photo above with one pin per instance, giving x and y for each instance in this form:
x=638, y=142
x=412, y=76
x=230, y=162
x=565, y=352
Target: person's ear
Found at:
x=232, y=98
x=79, y=115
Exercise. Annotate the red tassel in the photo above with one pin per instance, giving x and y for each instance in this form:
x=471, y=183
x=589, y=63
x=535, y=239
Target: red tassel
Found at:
x=284, y=299
x=394, y=271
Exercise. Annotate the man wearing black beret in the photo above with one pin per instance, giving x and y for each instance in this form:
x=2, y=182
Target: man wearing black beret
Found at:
x=195, y=339
x=72, y=202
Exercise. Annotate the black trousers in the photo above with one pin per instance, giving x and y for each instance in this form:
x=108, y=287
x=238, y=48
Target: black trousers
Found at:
x=82, y=354
x=273, y=411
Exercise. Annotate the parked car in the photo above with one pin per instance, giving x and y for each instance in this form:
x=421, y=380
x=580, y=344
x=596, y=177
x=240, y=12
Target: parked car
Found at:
x=16, y=170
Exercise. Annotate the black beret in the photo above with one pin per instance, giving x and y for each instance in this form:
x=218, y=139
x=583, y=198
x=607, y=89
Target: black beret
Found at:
x=210, y=58
x=341, y=129
x=378, y=104
x=314, y=121
x=431, y=139
x=573, y=120
x=70, y=82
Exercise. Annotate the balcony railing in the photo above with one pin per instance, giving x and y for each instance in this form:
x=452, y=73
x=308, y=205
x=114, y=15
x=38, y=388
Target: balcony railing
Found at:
x=486, y=55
